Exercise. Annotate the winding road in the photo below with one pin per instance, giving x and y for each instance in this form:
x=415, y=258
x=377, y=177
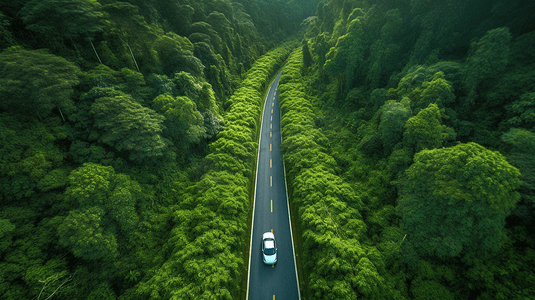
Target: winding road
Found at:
x=271, y=213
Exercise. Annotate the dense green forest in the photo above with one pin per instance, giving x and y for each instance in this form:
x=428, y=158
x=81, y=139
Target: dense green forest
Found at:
x=128, y=136
x=409, y=138
x=127, y=142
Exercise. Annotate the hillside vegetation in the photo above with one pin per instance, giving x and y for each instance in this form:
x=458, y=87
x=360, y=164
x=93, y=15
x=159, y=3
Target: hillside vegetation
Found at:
x=409, y=138
x=129, y=131
x=127, y=140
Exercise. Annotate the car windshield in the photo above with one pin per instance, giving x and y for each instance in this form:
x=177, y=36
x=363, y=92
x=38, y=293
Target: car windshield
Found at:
x=269, y=251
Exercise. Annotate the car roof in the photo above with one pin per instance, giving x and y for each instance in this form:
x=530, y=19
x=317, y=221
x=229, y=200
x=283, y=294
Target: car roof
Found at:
x=268, y=235
x=270, y=244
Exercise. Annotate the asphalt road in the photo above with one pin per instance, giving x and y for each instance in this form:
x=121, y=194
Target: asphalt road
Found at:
x=271, y=213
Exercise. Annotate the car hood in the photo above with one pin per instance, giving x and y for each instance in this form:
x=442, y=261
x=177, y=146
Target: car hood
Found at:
x=270, y=259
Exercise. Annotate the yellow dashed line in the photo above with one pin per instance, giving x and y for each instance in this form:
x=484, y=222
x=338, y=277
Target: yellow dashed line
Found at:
x=270, y=134
x=270, y=180
x=271, y=205
x=270, y=147
x=270, y=162
x=270, y=126
x=271, y=110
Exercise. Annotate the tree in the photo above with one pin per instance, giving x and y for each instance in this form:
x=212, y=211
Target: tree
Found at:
x=184, y=124
x=35, y=81
x=176, y=54
x=82, y=232
x=131, y=29
x=128, y=126
x=436, y=90
x=454, y=201
x=348, y=53
x=521, y=144
x=424, y=130
x=93, y=185
x=70, y=19
x=6, y=228
x=488, y=59
x=6, y=37
x=393, y=116
x=522, y=112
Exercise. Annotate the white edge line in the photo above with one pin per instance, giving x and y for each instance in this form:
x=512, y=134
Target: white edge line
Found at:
x=254, y=198
x=289, y=217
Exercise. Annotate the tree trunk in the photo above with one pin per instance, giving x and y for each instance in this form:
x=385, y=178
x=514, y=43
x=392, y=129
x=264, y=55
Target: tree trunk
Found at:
x=131, y=53
x=95, y=52
x=61, y=114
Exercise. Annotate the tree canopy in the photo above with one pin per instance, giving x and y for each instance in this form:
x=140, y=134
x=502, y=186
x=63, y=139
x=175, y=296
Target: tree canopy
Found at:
x=36, y=81
x=454, y=201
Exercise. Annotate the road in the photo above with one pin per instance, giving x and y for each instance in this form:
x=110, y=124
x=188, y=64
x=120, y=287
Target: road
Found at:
x=271, y=213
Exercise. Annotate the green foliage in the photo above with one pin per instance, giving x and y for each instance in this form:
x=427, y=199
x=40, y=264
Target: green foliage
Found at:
x=522, y=112
x=96, y=185
x=488, y=59
x=28, y=154
x=338, y=264
x=393, y=117
x=82, y=233
x=6, y=228
x=424, y=130
x=184, y=124
x=216, y=205
x=522, y=143
x=6, y=37
x=128, y=126
x=69, y=19
x=454, y=201
x=419, y=77
x=35, y=81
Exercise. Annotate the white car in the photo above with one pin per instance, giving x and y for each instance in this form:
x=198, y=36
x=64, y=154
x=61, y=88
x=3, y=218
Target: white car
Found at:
x=269, y=249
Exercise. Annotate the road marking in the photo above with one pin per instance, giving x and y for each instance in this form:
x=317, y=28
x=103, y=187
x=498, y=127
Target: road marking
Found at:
x=273, y=297
x=270, y=134
x=270, y=147
x=271, y=230
x=271, y=205
x=270, y=126
x=270, y=163
x=271, y=110
x=271, y=118
x=272, y=104
x=270, y=180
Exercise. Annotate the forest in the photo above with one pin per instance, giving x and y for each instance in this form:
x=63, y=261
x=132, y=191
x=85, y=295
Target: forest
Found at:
x=129, y=131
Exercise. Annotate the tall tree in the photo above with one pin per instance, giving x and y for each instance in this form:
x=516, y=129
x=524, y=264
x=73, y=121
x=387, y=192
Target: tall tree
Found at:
x=487, y=60
x=424, y=130
x=454, y=201
x=35, y=81
x=393, y=116
x=64, y=19
x=128, y=126
x=184, y=124
x=83, y=233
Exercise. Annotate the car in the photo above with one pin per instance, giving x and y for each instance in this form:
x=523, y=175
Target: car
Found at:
x=269, y=248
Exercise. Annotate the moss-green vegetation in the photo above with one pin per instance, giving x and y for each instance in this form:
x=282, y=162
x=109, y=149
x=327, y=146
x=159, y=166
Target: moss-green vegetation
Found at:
x=425, y=114
x=128, y=133
x=127, y=140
